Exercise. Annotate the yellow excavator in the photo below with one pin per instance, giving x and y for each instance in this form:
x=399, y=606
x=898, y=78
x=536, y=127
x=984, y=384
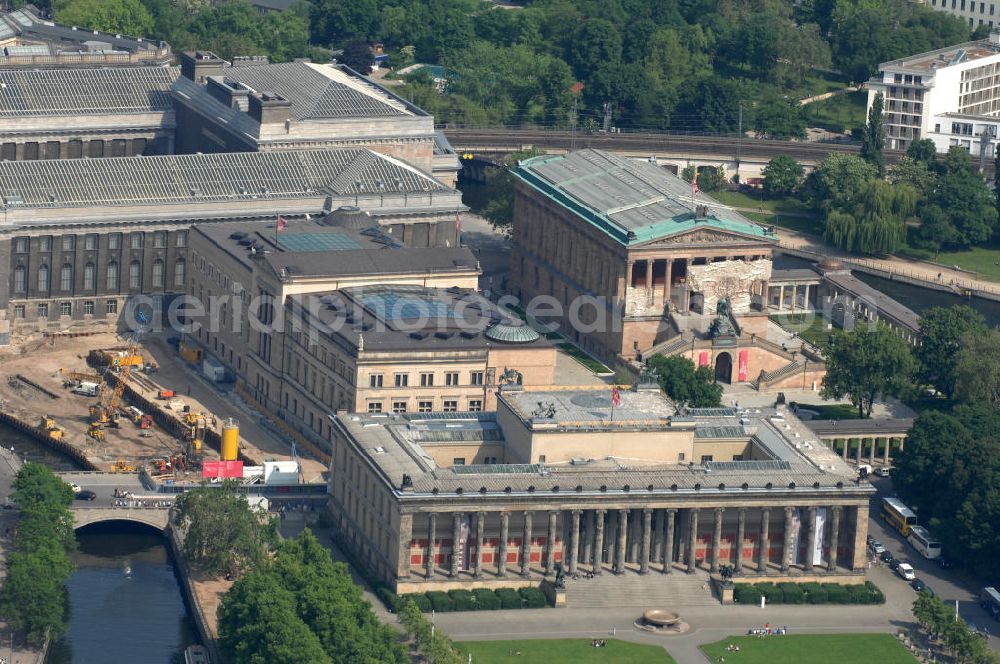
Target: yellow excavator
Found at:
x=122, y=466
x=105, y=412
x=48, y=425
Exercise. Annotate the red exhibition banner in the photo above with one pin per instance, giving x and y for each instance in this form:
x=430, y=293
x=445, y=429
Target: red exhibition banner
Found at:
x=222, y=469
x=703, y=359
x=744, y=364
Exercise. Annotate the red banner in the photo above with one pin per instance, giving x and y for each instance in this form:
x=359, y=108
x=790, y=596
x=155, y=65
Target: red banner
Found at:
x=222, y=469
x=703, y=359
x=744, y=365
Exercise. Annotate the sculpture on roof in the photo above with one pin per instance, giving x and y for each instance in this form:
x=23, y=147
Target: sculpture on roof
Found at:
x=511, y=376
x=544, y=410
x=648, y=376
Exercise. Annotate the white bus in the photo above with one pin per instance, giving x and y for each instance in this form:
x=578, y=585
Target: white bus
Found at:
x=924, y=542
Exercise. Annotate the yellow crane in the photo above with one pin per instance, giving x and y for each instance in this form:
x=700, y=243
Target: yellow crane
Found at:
x=105, y=411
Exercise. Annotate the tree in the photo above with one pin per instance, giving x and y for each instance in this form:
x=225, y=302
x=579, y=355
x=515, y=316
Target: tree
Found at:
x=222, y=534
x=942, y=330
x=684, y=383
x=286, y=35
x=867, y=364
x=914, y=172
x=358, y=56
x=127, y=17
x=977, y=368
x=963, y=195
x=875, y=223
x=873, y=139
x=598, y=42
x=499, y=191
x=838, y=180
x=779, y=117
x=782, y=175
x=922, y=149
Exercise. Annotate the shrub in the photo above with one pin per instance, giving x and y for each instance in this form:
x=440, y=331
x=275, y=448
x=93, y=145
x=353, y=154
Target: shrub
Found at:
x=440, y=601
x=792, y=593
x=876, y=593
x=422, y=601
x=389, y=598
x=509, y=599
x=486, y=599
x=533, y=598
x=860, y=594
x=745, y=593
x=815, y=593
x=836, y=593
x=463, y=600
x=771, y=593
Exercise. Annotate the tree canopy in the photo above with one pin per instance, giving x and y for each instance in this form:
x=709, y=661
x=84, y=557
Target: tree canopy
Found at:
x=128, y=17
x=782, y=175
x=977, y=369
x=684, y=383
x=866, y=364
x=942, y=331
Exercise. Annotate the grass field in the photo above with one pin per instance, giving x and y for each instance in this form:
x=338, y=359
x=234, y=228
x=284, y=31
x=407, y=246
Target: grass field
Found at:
x=834, y=411
x=811, y=648
x=838, y=114
x=583, y=358
x=575, y=651
x=984, y=261
x=811, y=225
x=811, y=327
x=745, y=200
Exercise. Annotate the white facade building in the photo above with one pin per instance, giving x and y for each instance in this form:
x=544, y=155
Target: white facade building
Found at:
x=951, y=96
x=976, y=12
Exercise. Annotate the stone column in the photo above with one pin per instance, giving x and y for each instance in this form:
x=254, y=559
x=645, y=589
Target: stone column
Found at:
x=502, y=548
x=588, y=543
x=860, y=557
x=477, y=570
x=634, y=540
x=649, y=277
x=786, y=549
x=456, y=545
x=431, y=535
x=666, y=285
x=622, y=539
x=741, y=526
x=628, y=275
x=871, y=452
x=597, y=561
x=692, y=542
x=764, y=547
x=831, y=563
x=888, y=446
x=550, y=543
x=667, y=548
x=861, y=447
x=781, y=297
x=717, y=539
x=847, y=447
x=405, y=540
x=807, y=563
x=647, y=533
x=574, y=541
x=526, y=545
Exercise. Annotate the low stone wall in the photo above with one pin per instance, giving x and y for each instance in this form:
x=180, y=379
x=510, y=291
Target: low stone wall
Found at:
x=198, y=617
x=445, y=584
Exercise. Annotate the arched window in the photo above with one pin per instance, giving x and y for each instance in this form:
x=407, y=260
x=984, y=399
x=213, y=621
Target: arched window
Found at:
x=134, y=275
x=43, y=278
x=89, y=276
x=20, y=279
x=158, y=273
x=66, y=278
x=112, y=276
x=179, y=269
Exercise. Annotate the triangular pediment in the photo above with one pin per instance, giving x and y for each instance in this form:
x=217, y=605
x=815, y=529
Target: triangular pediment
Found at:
x=703, y=237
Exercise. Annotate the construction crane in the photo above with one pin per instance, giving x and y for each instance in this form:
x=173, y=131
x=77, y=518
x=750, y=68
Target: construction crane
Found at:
x=105, y=411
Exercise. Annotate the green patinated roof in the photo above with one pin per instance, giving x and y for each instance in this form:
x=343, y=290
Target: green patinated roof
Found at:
x=634, y=202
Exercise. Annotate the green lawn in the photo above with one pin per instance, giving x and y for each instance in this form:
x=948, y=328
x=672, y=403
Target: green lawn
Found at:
x=759, y=200
x=981, y=260
x=811, y=648
x=811, y=225
x=811, y=327
x=576, y=651
x=583, y=358
x=839, y=113
x=816, y=83
x=834, y=411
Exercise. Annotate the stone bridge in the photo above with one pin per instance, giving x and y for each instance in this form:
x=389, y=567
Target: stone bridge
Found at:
x=154, y=517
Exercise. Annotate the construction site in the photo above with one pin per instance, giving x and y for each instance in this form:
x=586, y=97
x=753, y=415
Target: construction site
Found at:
x=128, y=404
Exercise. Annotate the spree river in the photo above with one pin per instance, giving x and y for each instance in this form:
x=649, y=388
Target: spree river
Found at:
x=125, y=601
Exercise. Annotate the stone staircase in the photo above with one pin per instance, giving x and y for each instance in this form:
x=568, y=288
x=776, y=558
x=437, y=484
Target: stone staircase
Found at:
x=655, y=589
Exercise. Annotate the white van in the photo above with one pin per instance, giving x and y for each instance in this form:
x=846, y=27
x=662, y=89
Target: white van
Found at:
x=86, y=389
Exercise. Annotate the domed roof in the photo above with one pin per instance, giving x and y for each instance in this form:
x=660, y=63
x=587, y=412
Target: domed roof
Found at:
x=511, y=333
x=831, y=264
x=350, y=217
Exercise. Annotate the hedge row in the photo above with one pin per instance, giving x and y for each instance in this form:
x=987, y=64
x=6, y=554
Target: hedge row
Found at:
x=808, y=593
x=480, y=599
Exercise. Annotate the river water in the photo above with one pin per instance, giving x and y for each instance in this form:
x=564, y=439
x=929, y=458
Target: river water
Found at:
x=125, y=599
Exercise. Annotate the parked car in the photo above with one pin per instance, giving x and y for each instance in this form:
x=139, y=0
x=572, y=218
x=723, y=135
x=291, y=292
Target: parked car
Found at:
x=76, y=487
x=905, y=570
x=882, y=471
x=918, y=585
x=86, y=495
x=894, y=564
x=887, y=557
x=878, y=547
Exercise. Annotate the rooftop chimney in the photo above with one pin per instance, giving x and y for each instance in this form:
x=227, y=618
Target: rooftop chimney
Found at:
x=269, y=108
x=198, y=65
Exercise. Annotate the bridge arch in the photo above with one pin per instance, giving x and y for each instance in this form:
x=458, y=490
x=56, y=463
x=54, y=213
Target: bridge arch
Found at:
x=157, y=519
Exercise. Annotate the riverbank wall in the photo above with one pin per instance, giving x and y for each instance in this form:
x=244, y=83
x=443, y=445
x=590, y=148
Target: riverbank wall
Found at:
x=198, y=617
x=42, y=436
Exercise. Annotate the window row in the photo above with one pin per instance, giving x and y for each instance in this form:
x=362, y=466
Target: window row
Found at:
x=111, y=275
x=44, y=243
x=426, y=406
x=451, y=379
x=66, y=309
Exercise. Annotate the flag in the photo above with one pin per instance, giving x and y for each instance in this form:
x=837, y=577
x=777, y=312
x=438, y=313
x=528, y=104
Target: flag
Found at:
x=616, y=399
x=282, y=223
x=694, y=183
